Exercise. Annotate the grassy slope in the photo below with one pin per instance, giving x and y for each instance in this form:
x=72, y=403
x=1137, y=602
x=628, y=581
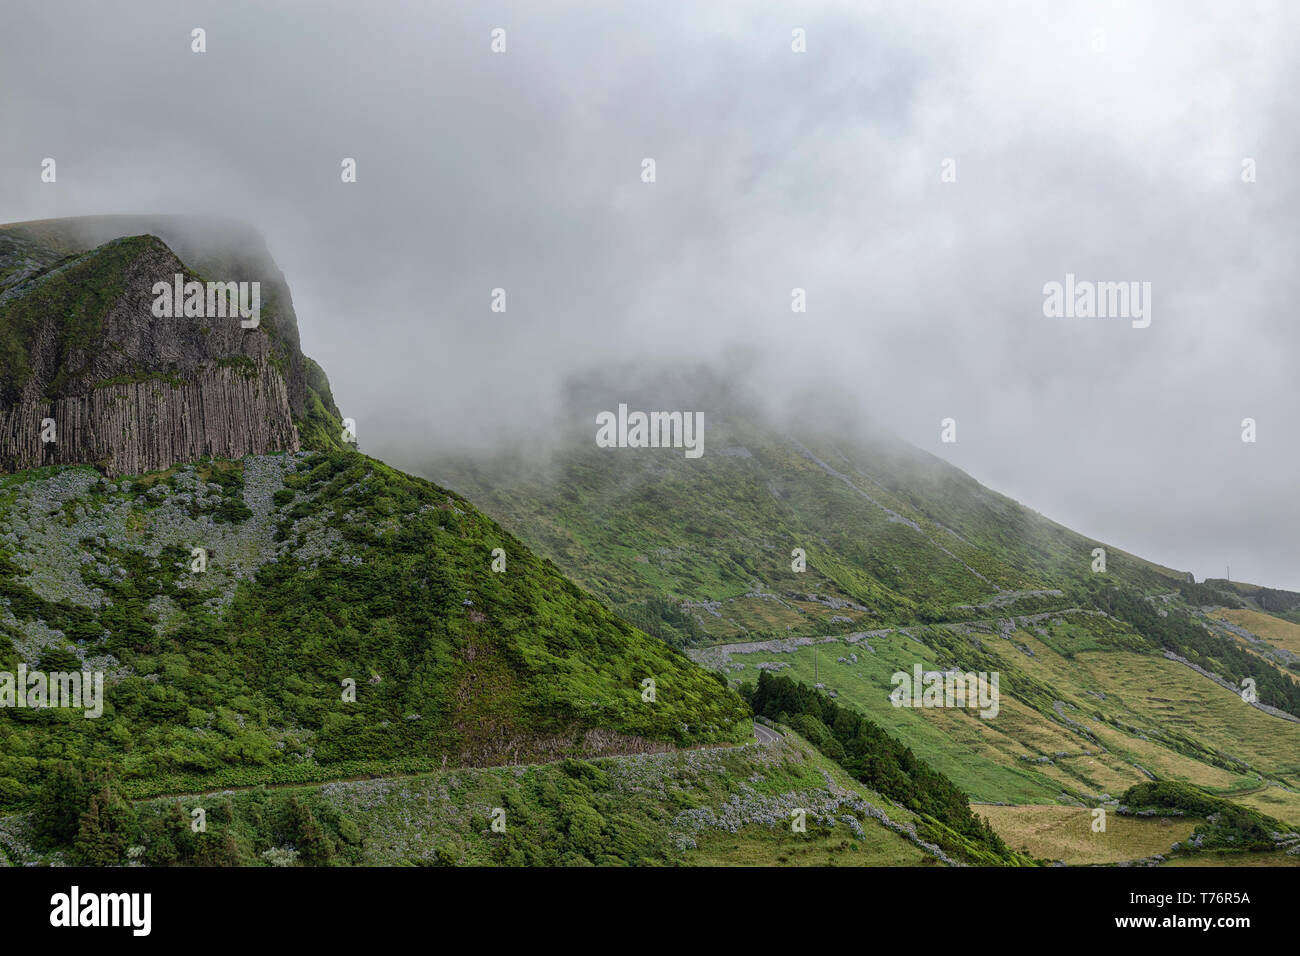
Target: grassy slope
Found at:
x=1275, y=630
x=1140, y=713
x=698, y=552
x=1066, y=833
x=1283, y=604
x=325, y=569
x=695, y=807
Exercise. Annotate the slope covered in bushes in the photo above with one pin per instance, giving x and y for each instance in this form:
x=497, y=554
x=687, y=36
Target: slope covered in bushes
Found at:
x=323, y=573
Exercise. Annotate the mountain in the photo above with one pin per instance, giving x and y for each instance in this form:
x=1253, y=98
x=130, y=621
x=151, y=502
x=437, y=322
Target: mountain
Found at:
x=266, y=606
x=698, y=551
x=1108, y=678
x=321, y=568
x=309, y=643
x=126, y=389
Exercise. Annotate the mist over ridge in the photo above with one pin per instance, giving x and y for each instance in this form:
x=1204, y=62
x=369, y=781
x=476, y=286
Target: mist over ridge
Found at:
x=822, y=172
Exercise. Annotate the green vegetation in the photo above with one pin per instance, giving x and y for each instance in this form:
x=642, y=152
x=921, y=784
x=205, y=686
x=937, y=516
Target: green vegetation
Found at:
x=229, y=508
x=698, y=551
x=1228, y=826
x=87, y=819
x=1115, y=712
x=1283, y=604
x=240, y=363
x=909, y=561
x=693, y=807
x=1174, y=630
x=885, y=765
x=165, y=378
x=378, y=578
x=319, y=429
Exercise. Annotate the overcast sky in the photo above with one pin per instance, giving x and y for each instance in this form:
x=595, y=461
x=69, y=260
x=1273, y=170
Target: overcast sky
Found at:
x=1104, y=140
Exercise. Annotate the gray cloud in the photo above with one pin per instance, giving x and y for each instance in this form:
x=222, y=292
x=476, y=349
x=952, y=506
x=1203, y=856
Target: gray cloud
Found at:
x=775, y=170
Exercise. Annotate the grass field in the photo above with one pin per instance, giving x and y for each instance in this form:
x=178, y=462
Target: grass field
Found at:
x=976, y=759
x=777, y=846
x=1276, y=631
x=1118, y=718
x=1166, y=696
x=1065, y=833
x=1274, y=858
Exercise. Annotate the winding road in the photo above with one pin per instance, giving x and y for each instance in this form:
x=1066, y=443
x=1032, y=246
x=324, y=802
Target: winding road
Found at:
x=765, y=735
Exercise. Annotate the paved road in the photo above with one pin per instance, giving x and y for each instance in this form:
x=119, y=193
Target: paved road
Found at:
x=766, y=735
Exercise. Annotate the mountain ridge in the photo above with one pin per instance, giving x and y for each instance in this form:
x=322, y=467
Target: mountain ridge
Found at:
x=884, y=526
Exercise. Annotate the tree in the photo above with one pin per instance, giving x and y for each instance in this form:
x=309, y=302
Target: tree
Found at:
x=59, y=805
x=314, y=845
x=104, y=830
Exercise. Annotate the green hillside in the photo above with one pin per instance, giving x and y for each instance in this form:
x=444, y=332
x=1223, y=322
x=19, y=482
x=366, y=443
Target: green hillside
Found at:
x=294, y=625
x=1109, y=679
x=1283, y=604
x=284, y=618
x=710, y=806
x=699, y=550
x=322, y=569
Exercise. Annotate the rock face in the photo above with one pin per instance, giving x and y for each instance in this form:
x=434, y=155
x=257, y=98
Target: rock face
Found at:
x=130, y=392
x=146, y=426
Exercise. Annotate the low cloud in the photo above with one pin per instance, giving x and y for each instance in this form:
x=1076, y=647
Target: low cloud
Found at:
x=1118, y=160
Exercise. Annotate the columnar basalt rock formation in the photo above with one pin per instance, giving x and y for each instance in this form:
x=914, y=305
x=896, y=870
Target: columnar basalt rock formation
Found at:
x=146, y=426
x=125, y=390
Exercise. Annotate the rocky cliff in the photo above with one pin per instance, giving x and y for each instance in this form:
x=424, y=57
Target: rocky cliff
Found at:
x=82, y=350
